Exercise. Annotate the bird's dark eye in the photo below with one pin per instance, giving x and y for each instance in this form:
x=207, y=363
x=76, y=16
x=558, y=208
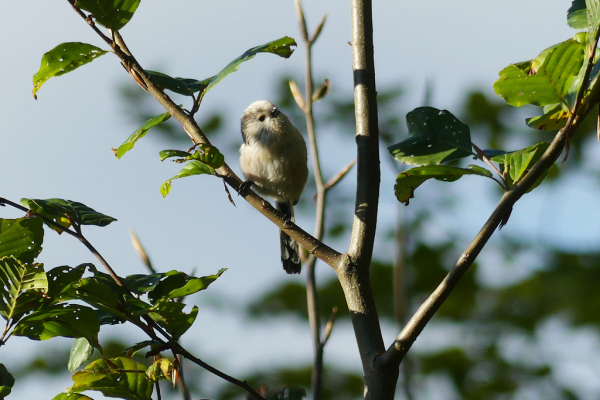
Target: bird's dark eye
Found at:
x=261, y=118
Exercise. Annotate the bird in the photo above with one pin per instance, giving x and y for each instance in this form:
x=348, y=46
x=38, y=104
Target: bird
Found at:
x=273, y=159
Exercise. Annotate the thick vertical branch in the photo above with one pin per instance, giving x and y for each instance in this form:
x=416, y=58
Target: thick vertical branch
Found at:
x=354, y=272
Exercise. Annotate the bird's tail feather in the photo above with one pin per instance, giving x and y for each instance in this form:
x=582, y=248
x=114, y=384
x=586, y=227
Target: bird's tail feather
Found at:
x=290, y=255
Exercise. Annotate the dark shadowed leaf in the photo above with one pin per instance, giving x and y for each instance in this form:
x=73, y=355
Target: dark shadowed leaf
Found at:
x=170, y=315
x=6, y=381
x=67, y=320
x=435, y=136
x=67, y=212
x=140, y=133
x=113, y=14
x=62, y=59
x=21, y=238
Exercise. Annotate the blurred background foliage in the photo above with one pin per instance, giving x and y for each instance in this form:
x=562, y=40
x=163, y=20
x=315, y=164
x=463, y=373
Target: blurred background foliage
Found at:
x=490, y=331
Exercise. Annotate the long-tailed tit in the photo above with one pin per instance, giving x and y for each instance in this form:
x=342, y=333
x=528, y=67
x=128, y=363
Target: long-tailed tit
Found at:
x=273, y=158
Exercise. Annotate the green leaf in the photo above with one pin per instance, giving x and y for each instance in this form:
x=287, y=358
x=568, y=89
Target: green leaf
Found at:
x=62, y=59
x=593, y=17
x=112, y=14
x=7, y=381
x=112, y=381
x=67, y=212
x=15, y=279
x=164, y=154
x=21, y=238
x=555, y=117
x=577, y=15
x=60, y=279
x=71, y=396
x=140, y=133
x=408, y=181
x=67, y=320
x=544, y=80
x=434, y=137
x=160, y=369
x=281, y=47
x=141, y=345
x=170, y=315
x=517, y=163
x=192, y=168
x=169, y=285
x=99, y=291
x=81, y=352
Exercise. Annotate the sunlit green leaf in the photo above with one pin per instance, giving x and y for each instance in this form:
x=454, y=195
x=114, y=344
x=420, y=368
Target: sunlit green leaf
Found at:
x=21, y=238
x=62, y=59
x=72, y=396
x=160, y=369
x=16, y=278
x=67, y=212
x=140, y=133
x=517, y=163
x=545, y=80
x=435, y=136
x=7, y=381
x=113, y=381
x=81, y=352
x=68, y=320
x=555, y=117
x=113, y=14
x=408, y=181
x=192, y=168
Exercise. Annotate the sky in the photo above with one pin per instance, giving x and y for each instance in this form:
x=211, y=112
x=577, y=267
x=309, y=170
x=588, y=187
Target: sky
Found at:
x=60, y=145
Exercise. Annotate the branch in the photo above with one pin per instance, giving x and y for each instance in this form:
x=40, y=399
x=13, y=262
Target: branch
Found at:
x=396, y=352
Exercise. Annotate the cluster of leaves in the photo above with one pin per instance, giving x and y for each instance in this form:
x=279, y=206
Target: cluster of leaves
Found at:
x=553, y=80
x=42, y=305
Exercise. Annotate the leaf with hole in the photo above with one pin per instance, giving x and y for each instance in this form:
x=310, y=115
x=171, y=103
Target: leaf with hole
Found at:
x=435, y=136
x=67, y=212
x=140, y=133
x=67, y=320
x=408, y=181
x=21, y=238
x=62, y=59
x=112, y=14
x=121, y=377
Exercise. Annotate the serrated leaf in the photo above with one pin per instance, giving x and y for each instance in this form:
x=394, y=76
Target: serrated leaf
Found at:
x=545, y=80
x=170, y=315
x=281, y=47
x=81, y=352
x=112, y=14
x=15, y=279
x=112, y=380
x=194, y=167
x=62, y=59
x=408, y=181
x=577, y=15
x=140, y=133
x=7, y=381
x=435, y=136
x=67, y=212
x=21, y=238
x=67, y=320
